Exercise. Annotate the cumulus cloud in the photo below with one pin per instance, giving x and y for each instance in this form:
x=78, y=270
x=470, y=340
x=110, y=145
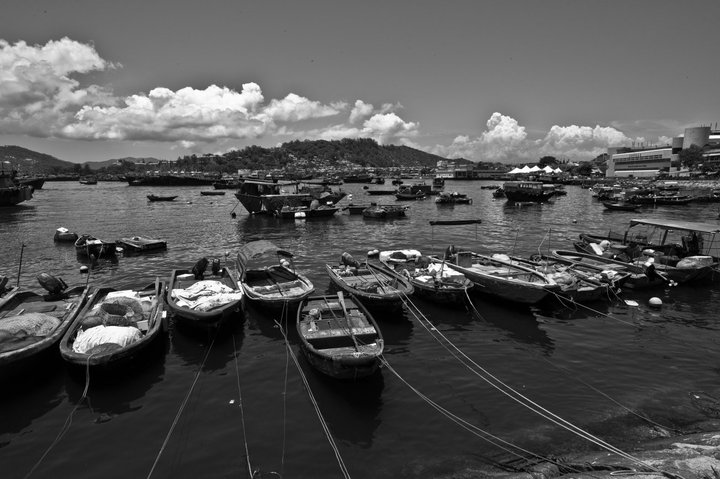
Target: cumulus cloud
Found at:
x=296, y=108
x=360, y=111
x=39, y=90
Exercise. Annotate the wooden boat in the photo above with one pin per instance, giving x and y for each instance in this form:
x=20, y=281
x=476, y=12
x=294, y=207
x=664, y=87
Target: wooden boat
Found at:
x=620, y=206
x=438, y=183
x=402, y=196
x=503, y=279
x=522, y=191
x=339, y=337
x=268, y=197
x=430, y=277
x=32, y=324
x=664, y=200
x=676, y=239
x=354, y=209
x=268, y=276
x=12, y=194
x=646, y=271
x=201, y=301
x=87, y=245
x=141, y=244
x=577, y=282
x=161, y=198
x=64, y=235
x=385, y=211
x=306, y=212
x=115, y=327
x=375, y=286
x=212, y=193
x=36, y=183
x=88, y=180
x=380, y=192
x=453, y=198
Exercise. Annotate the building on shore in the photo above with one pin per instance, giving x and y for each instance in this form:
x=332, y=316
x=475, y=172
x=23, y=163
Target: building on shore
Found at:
x=649, y=162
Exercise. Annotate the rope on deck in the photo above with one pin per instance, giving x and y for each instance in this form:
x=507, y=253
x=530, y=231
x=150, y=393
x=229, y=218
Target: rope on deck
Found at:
x=323, y=423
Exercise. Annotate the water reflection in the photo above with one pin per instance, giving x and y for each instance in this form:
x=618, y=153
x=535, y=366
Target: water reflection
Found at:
x=191, y=344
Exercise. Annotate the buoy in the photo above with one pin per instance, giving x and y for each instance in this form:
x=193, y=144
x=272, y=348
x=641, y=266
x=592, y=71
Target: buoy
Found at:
x=299, y=215
x=631, y=302
x=83, y=269
x=655, y=302
x=574, y=221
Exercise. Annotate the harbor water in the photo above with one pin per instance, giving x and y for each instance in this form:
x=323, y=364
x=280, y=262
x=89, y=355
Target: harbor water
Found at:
x=215, y=406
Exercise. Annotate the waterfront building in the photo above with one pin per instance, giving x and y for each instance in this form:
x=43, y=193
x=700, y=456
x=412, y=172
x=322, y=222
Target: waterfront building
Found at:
x=649, y=162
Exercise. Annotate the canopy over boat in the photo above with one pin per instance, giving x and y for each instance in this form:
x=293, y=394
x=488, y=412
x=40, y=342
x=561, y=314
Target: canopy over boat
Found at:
x=256, y=249
x=677, y=225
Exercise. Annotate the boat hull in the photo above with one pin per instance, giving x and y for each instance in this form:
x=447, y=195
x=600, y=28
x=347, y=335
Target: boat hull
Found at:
x=181, y=279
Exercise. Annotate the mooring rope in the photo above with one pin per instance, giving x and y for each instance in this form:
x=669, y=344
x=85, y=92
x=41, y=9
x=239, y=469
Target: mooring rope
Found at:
x=182, y=406
x=518, y=397
x=68, y=420
x=323, y=423
x=242, y=411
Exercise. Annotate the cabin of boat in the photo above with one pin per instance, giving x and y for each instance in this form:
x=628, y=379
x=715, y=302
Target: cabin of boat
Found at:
x=521, y=191
x=10, y=193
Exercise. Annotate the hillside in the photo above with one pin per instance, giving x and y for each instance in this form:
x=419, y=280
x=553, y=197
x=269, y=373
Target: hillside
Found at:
x=314, y=154
x=31, y=162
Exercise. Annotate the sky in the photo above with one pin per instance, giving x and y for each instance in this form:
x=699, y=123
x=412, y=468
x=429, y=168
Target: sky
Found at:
x=501, y=81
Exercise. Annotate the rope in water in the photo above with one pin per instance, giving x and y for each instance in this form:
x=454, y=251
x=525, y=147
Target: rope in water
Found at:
x=68, y=420
x=323, y=423
x=518, y=397
x=242, y=412
x=182, y=406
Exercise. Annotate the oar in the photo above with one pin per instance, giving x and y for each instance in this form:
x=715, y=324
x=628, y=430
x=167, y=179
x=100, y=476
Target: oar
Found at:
x=341, y=299
x=380, y=283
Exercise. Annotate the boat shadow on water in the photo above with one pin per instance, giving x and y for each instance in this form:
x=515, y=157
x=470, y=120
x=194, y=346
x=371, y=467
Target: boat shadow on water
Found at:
x=191, y=344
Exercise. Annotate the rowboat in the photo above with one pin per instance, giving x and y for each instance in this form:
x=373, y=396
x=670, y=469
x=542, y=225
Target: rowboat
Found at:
x=87, y=245
x=373, y=285
x=430, y=277
x=268, y=276
x=32, y=324
x=212, y=193
x=620, y=206
x=339, y=337
x=385, y=211
x=141, y=244
x=161, y=198
x=64, y=235
x=646, y=271
x=503, y=279
x=115, y=327
x=577, y=282
x=306, y=212
x=203, y=302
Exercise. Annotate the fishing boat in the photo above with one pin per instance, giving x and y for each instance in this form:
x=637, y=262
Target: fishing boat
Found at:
x=269, y=197
x=380, y=192
x=453, y=198
x=161, y=198
x=141, y=244
x=577, y=282
x=35, y=182
x=438, y=183
x=32, y=324
x=115, y=327
x=620, y=206
x=662, y=200
x=502, y=279
x=522, y=191
x=385, y=211
x=88, y=245
x=204, y=301
x=12, y=194
x=306, y=212
x=430, y=277
x=356, y=209
x=647, y=270
x=268, y=276
x=674, y=238
x=88, y=180
x=64, y=235
x=339, y=337
x=375, y=286
x=406, y=196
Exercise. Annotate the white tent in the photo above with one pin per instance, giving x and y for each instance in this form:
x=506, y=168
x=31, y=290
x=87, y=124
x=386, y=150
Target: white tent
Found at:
x=515, y=171
x=557, y=170
x=548, y=169
x=525, y=169
x=534, y=169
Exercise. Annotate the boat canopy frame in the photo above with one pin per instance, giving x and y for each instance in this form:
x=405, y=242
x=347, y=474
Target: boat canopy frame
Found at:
x=259, y=249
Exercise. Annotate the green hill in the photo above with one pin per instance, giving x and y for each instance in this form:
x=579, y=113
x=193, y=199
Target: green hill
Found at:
x=31, y=162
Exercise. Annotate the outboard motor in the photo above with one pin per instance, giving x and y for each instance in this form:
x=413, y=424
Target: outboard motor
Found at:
x=199, y=269
x=215, y=267
x=54, y=286
x=347, y=260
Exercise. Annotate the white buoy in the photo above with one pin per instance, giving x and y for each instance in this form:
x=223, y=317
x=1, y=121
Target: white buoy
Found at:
x=655, y=302
x=83, y=269
x=574, y=221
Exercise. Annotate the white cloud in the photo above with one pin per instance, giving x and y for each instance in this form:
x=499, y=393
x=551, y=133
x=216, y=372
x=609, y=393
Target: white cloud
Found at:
x=388, y=128
x=296, y=108
x=360, y=111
